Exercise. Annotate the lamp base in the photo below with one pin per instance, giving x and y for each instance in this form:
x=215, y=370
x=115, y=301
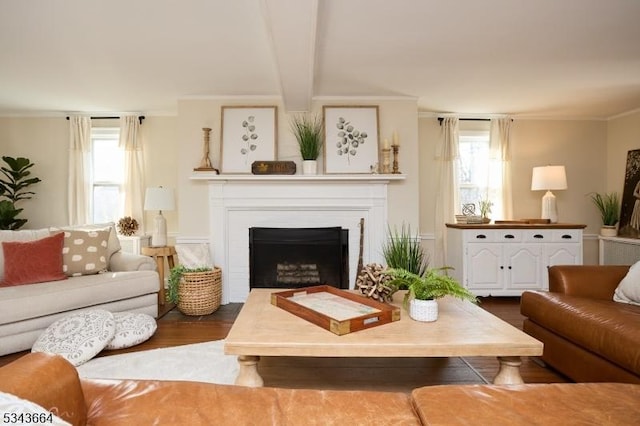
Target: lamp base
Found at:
x=159, y=236
x=549, y=209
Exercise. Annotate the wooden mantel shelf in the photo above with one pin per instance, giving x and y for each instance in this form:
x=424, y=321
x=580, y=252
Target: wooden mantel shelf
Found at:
x=210, y=176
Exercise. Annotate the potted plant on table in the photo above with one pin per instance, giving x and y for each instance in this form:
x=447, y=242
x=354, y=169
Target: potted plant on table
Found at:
x=308, y=132
x=424, y=290
x=608, y=205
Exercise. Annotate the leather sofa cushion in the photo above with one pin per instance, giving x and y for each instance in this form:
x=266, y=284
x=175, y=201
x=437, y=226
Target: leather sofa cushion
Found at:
x=540, y=404
x=145, y=402
x=609, y=329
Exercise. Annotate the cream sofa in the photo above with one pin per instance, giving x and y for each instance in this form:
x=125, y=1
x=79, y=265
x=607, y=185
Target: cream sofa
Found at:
x=130, y=285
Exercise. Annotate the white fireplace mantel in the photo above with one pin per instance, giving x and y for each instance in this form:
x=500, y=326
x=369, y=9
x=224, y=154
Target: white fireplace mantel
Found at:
x=239, y=202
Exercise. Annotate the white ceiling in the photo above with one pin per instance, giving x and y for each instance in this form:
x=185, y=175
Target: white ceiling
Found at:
x=555, y=58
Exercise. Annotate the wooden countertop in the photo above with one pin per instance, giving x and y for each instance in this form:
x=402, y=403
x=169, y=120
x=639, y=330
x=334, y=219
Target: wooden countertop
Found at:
x=516, y=225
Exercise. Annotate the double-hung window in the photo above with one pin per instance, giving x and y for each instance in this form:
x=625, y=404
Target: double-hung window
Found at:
x=107, y=175
x=478, y=175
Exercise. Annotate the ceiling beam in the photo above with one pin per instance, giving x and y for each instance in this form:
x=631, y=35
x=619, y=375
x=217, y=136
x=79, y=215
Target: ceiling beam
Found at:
x=292, y=29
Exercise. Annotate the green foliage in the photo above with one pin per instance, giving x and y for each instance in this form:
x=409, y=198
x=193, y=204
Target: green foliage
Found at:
x=308, y=132
x=13, y=186
x=8, y=214
x=403, y=251
x=434, y=284
x=485, y=208
x=175, y=275
x=609, y=207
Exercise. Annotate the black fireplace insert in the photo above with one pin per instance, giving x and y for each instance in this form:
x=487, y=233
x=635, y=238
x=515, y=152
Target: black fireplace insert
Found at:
x=298, y=257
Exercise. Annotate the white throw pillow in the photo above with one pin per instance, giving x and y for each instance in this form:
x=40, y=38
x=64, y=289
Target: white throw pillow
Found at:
x=628, y=291
x=194, y=255
x=19, y=411
x=78, y=337
x=131, y=329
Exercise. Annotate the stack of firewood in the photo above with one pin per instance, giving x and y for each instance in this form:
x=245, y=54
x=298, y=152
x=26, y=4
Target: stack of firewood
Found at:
x=373, y=282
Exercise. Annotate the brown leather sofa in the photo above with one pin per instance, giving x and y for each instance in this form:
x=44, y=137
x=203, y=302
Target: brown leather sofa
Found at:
x=53, y=383
x=587, y=336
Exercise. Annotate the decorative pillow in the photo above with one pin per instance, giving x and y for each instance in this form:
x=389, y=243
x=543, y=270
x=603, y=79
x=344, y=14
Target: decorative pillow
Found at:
x=194, y=255
x=78, y=337
x=85, y=252
x=114, y=242
x=628, y=291
x=32, y=262
x=21, y=235
x=16, y=410
x=131, y=329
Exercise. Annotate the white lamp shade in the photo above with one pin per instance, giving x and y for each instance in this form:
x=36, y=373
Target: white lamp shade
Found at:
x=548, y=178
x=159, y=198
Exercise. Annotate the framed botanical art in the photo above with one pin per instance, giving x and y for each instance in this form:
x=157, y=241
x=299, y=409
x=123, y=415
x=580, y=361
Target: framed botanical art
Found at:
x=248, y=134
x=350, y=139
x=630, y=209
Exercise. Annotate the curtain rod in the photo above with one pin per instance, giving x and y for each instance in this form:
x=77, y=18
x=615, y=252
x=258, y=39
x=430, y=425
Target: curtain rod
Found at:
x=467, y=119
x=140, y=118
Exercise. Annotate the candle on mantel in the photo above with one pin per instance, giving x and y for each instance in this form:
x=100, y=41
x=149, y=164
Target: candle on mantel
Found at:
x=386, y=143
x=396, y=142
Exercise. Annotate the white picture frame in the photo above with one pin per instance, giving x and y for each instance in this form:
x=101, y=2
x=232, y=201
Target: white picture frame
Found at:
x=248, y=134
x=351, y=139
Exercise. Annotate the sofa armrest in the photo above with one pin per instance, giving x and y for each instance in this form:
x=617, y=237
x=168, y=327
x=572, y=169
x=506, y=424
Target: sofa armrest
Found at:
x=592, y=281
x=121, y=261
x=49, y=381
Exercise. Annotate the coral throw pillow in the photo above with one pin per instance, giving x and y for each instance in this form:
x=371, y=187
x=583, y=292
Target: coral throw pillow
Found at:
x=30, y=262
x=85, y=252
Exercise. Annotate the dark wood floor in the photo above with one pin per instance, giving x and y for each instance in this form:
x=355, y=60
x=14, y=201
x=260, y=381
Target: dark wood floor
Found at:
x=175, y=329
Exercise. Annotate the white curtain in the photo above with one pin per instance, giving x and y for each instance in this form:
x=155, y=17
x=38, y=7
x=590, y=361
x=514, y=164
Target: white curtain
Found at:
x=134, y=184
x=500, y=150
x=79, y=189
x=447, y=192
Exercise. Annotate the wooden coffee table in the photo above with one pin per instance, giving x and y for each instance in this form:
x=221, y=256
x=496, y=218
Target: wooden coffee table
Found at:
x=462, y=329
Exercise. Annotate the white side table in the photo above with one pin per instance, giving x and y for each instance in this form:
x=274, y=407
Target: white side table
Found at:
x=134, y=243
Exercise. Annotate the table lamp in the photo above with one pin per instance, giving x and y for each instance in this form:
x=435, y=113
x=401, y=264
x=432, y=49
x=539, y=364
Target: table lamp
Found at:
x=160, y=199
x=547, y=178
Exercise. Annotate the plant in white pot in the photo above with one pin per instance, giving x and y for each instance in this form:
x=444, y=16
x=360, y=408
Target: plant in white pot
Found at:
x=608, y=205
x=308, y=132
x=423, y=291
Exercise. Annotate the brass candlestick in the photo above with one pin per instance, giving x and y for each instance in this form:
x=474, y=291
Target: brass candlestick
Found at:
x=386, y=160
x=395, y=159
x=205, y=163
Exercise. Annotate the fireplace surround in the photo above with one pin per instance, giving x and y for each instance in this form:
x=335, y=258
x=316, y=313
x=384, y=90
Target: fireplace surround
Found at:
x=240, y=202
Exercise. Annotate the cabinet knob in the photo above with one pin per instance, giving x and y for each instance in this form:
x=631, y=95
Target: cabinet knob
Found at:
x=481, y=236
x=509, y=267
x=538, y=236
x=566, y=236
x=509, y=236
x=502, y=267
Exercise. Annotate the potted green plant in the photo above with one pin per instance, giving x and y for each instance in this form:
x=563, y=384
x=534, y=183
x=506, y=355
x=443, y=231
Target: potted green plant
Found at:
x=423, y=291
x=195, y=291
x=13, y=187
x=403, y=250
x=485, y=209
x=608, y=205
x=308, y=132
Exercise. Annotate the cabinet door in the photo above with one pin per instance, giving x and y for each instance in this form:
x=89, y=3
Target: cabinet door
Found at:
x=561, y=254
x=484, y=262
x=523, y=266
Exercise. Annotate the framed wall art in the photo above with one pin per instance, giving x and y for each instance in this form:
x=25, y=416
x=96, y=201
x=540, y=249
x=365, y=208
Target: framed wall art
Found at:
x=350, y=139
x=630, y=209
x=248, y=134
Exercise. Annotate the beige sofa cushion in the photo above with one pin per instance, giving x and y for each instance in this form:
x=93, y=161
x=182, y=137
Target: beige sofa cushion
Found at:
x=20, y=235
x=85, y=252
x=114, y=242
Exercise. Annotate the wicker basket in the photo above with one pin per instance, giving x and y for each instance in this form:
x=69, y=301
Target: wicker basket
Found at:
x=199, y=293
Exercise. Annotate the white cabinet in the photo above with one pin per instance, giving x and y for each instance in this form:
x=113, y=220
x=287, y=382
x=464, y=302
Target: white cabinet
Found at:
x=133, y=243
x=498, y=261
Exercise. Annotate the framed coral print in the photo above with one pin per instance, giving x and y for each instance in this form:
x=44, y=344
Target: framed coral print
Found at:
x=350, y=139
x=248, y=134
